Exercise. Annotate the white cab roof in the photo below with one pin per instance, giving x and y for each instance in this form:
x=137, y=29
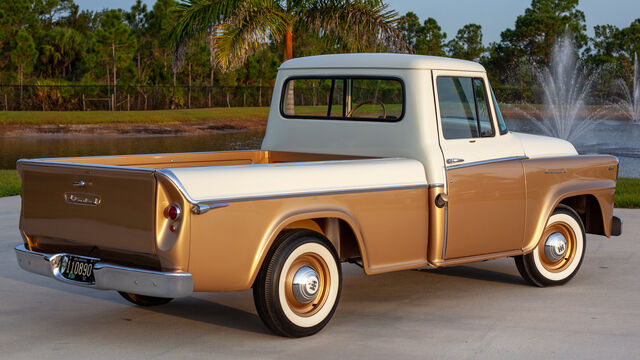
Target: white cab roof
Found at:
x=381, y=61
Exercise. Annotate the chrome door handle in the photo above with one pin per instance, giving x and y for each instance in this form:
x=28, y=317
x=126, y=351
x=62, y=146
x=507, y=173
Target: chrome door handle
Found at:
x=454, y=161
x=80, y=183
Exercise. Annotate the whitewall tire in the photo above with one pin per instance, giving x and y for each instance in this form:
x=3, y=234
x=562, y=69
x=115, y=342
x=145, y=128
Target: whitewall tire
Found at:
x=559, y=253
x=299, y=284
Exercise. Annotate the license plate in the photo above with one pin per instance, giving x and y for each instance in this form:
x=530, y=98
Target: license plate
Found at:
x=78, y=269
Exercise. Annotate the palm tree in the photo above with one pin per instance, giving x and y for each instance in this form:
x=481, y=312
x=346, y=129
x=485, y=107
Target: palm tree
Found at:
x=63, y=47
x=238, y=28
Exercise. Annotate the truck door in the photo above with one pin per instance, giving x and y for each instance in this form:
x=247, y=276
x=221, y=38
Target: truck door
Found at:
x=483, y=167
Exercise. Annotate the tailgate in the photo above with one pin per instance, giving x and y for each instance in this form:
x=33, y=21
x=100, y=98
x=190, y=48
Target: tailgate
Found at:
x=86, y=206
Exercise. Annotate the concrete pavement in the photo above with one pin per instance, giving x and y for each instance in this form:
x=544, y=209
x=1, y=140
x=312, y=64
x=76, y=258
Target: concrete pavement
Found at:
x=479, y=311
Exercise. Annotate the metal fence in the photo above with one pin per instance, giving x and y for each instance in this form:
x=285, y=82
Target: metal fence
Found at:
x=129, y=97
x=160, y=97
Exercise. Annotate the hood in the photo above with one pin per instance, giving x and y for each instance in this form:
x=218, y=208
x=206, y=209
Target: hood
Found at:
x=536, y=146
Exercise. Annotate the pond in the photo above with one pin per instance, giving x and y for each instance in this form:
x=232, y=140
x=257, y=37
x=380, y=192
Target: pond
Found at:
x=619, y=138
x=14, y=148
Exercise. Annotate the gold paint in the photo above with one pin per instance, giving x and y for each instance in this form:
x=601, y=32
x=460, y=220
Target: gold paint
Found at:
x=490, y=214
x=586, y=174
x=436, y=226
x=124, y=219
x=486, y=209
x=390, y=228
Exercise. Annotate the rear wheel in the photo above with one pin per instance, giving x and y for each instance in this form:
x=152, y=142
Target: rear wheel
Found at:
x=559, y=254
x=298, y=287
x=144, y=300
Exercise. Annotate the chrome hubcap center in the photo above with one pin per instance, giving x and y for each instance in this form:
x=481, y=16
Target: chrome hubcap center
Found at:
x=555, y=247
x=305, y=284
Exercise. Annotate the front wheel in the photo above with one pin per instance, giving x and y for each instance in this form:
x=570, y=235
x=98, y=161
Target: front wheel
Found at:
x=299, y=284
x=559, y=253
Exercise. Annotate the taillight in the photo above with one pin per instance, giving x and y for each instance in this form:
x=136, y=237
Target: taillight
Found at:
x=172, y=212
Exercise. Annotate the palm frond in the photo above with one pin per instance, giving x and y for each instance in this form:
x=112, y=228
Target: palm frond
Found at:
x=357, y=25
x=249, y=30
x=196, y=19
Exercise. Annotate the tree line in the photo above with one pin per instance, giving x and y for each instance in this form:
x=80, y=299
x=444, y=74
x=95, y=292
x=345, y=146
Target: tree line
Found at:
x=174, y=47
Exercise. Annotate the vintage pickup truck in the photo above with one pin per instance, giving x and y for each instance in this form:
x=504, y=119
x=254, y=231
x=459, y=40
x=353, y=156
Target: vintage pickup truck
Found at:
x=389, y=161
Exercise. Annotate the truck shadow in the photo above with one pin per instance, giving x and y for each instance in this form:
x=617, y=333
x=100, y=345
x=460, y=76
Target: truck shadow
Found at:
x=212, y=313
x=206, y=311
x=475, y=273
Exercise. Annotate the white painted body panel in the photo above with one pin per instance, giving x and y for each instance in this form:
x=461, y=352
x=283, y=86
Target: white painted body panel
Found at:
x=411, y=138
x=536, y=146
x=225, y=183
x=417, y=135
x=380, y=61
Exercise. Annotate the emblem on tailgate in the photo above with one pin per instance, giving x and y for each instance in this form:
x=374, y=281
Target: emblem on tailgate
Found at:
x=82, y=199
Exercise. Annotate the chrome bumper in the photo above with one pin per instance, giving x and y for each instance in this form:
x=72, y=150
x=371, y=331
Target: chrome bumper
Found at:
x=112, y=277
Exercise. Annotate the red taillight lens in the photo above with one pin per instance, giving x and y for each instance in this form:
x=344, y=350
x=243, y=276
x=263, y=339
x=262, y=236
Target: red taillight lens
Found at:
x=172, y=212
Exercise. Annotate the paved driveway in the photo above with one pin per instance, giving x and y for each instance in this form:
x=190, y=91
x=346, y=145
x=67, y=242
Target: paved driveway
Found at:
x=483, y=310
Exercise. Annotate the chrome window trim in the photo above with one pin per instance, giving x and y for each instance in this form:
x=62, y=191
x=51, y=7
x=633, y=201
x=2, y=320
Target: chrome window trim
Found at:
x=482, y=162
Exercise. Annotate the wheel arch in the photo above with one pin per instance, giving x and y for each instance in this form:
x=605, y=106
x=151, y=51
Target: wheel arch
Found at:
x=589, y=209
x=338, y=227
x=593, y=206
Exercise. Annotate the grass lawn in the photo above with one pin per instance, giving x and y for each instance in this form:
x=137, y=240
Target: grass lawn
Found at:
x=627, y=193
x=9, y=183
x=114, y=117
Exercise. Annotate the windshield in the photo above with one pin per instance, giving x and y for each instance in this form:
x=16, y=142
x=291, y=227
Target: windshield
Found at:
x=501, y=124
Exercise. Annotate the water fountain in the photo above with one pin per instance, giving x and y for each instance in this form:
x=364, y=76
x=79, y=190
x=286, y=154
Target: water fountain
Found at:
x=630, y=104
x=566, y=84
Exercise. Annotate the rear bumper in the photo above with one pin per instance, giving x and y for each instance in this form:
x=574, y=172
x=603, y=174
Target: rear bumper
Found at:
x=112, y=277
x=616, y=226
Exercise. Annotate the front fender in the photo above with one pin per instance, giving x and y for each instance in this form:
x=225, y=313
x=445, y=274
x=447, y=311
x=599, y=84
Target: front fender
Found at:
x=549, y=181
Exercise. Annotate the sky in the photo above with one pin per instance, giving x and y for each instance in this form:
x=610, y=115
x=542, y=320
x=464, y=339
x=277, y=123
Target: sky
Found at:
x=493, y=15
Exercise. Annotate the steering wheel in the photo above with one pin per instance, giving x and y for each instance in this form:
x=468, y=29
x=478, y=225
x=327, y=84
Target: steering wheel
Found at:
x=370, y=101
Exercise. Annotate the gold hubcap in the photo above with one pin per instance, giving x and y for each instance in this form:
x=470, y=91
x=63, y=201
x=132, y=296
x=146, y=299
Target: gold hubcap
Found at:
x=560, y=264
x=315, y=262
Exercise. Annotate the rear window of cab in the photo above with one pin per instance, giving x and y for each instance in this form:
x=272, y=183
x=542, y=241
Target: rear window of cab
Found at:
x=343, y=98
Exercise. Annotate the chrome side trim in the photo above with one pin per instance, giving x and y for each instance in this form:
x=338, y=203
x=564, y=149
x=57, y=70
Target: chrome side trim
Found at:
x=202, y=208
x=224, y=201
x=482, y=162
x=110, y=276
x=436, y=185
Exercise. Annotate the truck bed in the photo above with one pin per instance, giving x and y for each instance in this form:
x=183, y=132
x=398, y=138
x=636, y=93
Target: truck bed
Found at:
x=111, y=207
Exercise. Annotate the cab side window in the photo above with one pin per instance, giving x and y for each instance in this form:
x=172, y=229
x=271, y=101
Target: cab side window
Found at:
x=464, y=108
